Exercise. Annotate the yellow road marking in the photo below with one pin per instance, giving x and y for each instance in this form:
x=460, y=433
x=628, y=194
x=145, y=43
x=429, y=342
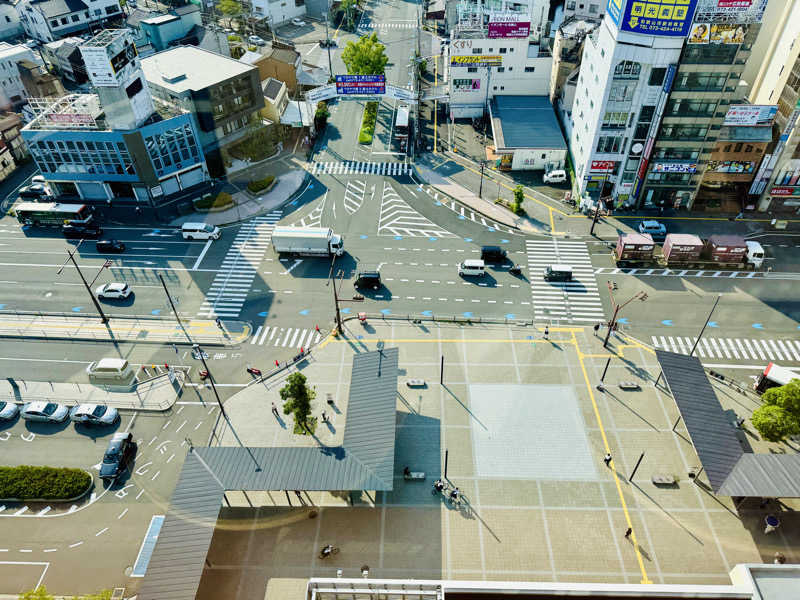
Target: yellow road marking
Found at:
x=645, y=578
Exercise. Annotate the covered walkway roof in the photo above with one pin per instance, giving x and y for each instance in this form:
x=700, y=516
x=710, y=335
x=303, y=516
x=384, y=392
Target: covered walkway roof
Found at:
x=731, y=471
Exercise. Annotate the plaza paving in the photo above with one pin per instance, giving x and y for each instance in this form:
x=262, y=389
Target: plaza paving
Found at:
x=526, y=432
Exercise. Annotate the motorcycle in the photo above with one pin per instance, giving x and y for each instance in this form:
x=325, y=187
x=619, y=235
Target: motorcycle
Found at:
x=203, y=375
x=515, y=270
x=253, y=371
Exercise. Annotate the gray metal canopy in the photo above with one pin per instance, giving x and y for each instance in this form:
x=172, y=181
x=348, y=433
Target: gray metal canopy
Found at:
x=364, y=461
x=731, y=471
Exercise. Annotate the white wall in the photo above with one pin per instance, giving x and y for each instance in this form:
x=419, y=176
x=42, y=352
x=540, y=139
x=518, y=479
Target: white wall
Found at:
x=538, y=159
x=10, y=26
x=584, y=8
x=48, y=30
x=10, y=82
x=774, y=52
x=281, y=12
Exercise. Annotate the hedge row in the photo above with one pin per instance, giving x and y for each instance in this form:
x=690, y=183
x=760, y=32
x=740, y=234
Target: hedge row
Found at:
x=46, y=483
x=219, y=201
x=260, y=184
x=368, y=123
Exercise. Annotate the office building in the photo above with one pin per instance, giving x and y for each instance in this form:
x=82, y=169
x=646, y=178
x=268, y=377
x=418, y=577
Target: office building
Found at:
x=12, y=91
x=625, y=75
x=114, y=146
x=224, y=95
x=49, y=20
x=497, y=48
x=567, y=52
x=705, y=154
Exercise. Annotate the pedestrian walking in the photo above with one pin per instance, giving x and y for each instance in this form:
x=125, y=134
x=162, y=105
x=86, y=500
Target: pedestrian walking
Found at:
x=607, y=458
x=596, y=328
x=174, y=347
x=274, y=410
x=628, y=533
x=779, y=559
x=218, y=322
x=546, y=332
x=324, y=417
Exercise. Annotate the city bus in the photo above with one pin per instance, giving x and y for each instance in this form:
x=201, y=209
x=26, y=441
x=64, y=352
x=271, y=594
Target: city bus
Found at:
x=51, y=213
x=401, y=125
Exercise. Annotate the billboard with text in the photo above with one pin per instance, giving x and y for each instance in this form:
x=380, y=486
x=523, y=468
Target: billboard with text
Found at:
x=360, y=84
x=658, y=17
x=750, y=115
x=476, y=60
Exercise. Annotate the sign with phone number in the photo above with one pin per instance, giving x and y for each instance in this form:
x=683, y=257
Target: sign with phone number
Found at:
x=360, y=84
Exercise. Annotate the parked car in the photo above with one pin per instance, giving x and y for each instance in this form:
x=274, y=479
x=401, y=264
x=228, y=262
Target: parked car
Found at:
x=38, y=179
x=114, y=291
x=110, y=246
x=35, y=192
x=654, y=228
x=94, y=414
x=258, y=41
x=49, y=412
x=297, y=22
x=557, y=176
x=118, y=453
x=8, y=410
x=81, y=231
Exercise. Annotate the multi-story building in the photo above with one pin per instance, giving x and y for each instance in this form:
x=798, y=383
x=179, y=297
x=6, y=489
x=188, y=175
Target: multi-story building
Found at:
x=10, y=126
x=567, y=51
x=279, y=60
x=12, y=90
x=585, y=9
x=64, y=57
x=224, y=95
x=705, y=154
x=49, y=20
x=497, y=48
x=38, y=82
x=114, y=145
x=7, y=162
x=625, y=75
x=10, y=27
x=277, y=13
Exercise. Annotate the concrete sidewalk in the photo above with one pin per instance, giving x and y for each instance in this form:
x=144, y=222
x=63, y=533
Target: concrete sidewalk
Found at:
x=156, y=394
x=120, y=329
x=467, y=198
x=246, y=206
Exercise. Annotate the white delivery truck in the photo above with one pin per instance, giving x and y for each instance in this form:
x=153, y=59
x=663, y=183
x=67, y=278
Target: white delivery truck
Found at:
x=307, y=241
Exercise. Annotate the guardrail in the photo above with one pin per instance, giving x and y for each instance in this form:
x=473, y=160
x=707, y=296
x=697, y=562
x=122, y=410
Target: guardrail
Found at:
x=414, y=319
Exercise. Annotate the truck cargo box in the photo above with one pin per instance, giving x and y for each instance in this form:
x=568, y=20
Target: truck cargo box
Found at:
x=681, y=248
x=634, y=247
x=726, y=249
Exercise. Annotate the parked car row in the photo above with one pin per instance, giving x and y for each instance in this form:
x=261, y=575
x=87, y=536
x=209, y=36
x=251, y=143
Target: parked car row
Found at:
x=53, y=412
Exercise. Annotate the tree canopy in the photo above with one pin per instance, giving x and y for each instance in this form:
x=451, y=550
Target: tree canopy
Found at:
x=41, y=593
x=229, y=7
x=779, y=415
x=297, y=397
x=367, y=56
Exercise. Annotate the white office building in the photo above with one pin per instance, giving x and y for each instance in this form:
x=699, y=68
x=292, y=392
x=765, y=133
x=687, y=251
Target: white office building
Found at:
x=277, y=13
x=619, y=94
x=12, y=90
x=497, y=48
x=49, y=20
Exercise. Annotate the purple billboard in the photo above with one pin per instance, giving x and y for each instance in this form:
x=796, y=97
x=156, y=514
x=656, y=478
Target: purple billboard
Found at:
x=510, y=30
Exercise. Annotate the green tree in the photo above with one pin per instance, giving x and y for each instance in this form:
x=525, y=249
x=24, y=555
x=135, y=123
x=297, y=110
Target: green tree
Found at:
x=779, y=415
x=519, y=195
x=321, y=116
x=367, y=56
x=41, y=593
x=230, y=8
x=297, y=397
x=348, y=7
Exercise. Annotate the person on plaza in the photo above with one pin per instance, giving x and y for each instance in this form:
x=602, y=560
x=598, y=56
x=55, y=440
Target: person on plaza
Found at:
x=438, y=485
x=218, y=322
x=326, y=551
x=455, y=495
x=406, y=472
x=607, y=458
x=546, y=332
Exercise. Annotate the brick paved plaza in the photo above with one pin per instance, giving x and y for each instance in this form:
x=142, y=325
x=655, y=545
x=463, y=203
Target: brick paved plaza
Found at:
x=526, y=432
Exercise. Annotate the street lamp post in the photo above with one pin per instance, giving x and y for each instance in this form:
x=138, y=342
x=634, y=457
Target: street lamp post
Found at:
x=617, y=308
x=480, y=189
x=697, y=341
x=71, y=255
x=327, y=39
x=199, y=352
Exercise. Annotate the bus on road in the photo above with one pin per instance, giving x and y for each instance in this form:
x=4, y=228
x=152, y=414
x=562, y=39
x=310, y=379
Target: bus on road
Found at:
x=51, y=213
x=401, y=126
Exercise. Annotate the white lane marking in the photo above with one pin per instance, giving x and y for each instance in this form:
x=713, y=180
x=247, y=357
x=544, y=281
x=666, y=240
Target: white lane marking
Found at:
x=202, y=255
x=122, y=514
x=75, y=545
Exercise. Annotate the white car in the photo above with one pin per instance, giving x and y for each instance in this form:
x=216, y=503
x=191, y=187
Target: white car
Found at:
x=8, y=411
x=94, y=414
x=298, y=22
x=254, y=39
x=557, y=176
x=49, y=412
x=113, y=291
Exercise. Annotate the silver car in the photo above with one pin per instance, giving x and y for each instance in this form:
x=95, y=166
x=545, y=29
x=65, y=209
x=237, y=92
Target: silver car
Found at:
x=111, y=291
x=94, y=414
x=8, y=411
x=49, y=412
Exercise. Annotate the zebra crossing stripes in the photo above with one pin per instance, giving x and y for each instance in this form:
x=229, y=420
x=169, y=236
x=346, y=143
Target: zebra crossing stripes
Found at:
x=399, y=219
x=675, y=272
x=360, y=168
x=285, y=337
x=732, y=348
x=230, y=287
x=576, y=300
x=314, y=218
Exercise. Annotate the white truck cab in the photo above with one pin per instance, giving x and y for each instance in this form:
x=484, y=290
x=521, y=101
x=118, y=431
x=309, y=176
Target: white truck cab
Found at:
x=755, y=254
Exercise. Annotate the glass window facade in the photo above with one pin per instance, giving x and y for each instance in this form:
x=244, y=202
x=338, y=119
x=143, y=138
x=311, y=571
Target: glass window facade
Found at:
x=80, y=156
x=172, y=149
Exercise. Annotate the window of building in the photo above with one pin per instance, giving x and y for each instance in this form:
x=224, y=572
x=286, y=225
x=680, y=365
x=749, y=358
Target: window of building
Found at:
x=683, y=132
x=75, y=18
x=501, y=69
x=510, y=69
x=614, y=120
x=748, y=148
x=502, y=87
x=602, y=52
x=621, y=92
x=682, y=107
x=98, y=12
x=711, y=54
x=657, y=76
x=570, y=5
x=641, y=130
x=472, y=69
x=7, y=19
x=494, y=88
x=503, y=50
x=530, y=69
x=627, y=70
x=64, y=20
x=478, y=50
x=699, y=82
x=738, y=147
x=609, y=143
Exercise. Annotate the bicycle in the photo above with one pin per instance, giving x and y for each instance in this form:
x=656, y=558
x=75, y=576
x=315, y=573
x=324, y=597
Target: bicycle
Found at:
x=332, y=550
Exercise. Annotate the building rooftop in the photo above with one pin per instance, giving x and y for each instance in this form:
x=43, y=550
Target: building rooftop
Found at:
x=185, y=68
x=7, y=49
x=525, y=122
x=55, y=8
x=160, y=19
x=271, y=87
x=106, y=37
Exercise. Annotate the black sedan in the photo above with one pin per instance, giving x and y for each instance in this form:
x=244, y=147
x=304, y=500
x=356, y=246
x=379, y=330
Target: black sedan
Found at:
x=110, y=246
x=118, y=454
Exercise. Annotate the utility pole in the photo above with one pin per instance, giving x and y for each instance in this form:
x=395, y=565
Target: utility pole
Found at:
x=697, y=341
x=71, y=255
x=617, y=308
x=327, y=38
x=480, y=189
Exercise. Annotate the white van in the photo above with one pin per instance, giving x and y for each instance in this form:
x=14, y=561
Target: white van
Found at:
x=557, y=176
x=200, y=231
x=110, y=370
x=472, y=266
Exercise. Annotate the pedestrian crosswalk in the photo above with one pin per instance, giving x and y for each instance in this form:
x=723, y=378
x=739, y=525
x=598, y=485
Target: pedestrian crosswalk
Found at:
x=360, y=168
x=285, y=337
x=232, y=283
x=354, y=195
x=576, y=300
x=399, y=219
x=395, y=25
x=465, y=213
x=732, y=348
x=662, y=272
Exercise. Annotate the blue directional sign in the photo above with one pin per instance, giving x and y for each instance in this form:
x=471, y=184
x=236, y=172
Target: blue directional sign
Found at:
x=360, y=85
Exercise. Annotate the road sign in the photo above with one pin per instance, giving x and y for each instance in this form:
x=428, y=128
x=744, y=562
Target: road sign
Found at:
x=360, y=84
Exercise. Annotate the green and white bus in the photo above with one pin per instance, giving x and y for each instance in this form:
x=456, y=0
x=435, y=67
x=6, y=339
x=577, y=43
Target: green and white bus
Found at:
x=51, y=213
